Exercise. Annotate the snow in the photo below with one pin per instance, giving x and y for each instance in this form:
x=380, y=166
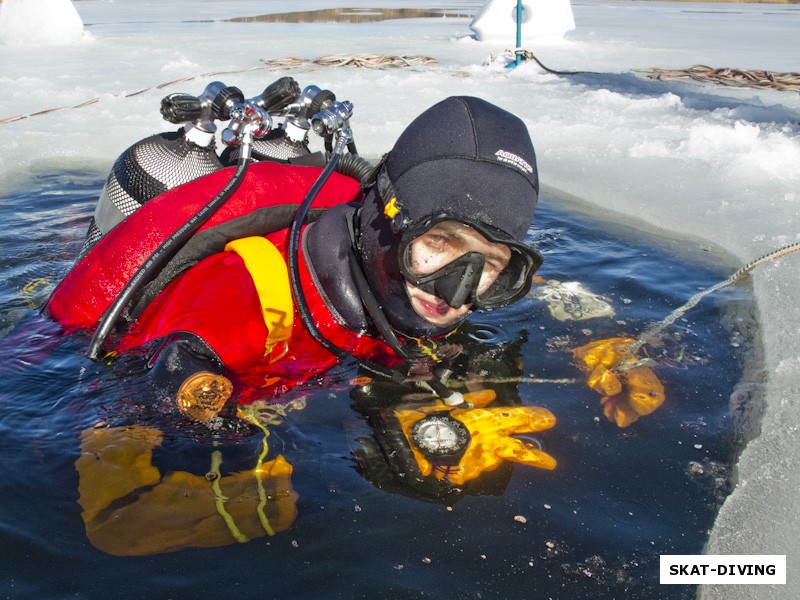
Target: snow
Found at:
x=40, y=23
x=676, y=159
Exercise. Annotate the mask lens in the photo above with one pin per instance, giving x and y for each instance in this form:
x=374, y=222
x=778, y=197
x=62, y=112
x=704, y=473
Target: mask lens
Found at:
x=447, y=260
x=456, y=283
x=513, y=281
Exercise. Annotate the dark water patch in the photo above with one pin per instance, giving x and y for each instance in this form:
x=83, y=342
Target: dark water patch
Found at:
x=40, y=236
x=351, y=15
x=354, y=519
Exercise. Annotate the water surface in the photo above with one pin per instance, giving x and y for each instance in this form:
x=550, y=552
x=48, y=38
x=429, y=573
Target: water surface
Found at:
x=348, y=526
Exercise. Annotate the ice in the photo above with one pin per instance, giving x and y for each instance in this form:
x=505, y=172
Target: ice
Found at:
x=40, y=23
x=497, y=20
x=676, y=159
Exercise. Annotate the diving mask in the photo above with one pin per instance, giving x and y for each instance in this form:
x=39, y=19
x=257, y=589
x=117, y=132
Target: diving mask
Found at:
x=466, y=263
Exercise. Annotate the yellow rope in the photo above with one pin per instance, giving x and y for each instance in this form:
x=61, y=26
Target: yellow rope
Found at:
x=252, y=417
x=253, y=414
x=220, y=499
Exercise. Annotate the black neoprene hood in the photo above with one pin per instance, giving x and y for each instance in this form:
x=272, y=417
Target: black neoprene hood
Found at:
x=463, y=158
x=468, y=158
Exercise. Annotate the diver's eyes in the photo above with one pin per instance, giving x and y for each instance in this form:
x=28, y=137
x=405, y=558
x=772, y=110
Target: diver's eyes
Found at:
x=491, y=271
x=494, y=265
x=439, y=247
x=435, y=239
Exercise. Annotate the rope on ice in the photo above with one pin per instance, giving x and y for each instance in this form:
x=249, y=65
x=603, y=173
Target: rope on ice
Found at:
x=375, y=61
x=785, y=82
x=734, y=77
x=756, y=79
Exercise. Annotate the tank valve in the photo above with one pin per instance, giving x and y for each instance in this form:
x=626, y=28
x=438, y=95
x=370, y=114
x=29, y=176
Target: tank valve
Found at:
x=214, y=104
x=248, y=122
x=334, y=118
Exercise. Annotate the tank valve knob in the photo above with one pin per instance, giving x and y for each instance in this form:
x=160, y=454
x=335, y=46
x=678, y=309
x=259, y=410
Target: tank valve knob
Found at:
x=279, y=94
x=333, y=118
x=224, y=101
x=180, y=108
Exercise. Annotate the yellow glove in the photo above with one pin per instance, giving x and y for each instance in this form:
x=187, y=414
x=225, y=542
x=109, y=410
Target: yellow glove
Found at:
x=489, y=438
x=629, y=391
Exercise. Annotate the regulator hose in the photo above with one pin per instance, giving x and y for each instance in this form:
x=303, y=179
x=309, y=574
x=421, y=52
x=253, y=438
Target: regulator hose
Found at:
x=358, y=168
x=162, y=254
x=292, y=258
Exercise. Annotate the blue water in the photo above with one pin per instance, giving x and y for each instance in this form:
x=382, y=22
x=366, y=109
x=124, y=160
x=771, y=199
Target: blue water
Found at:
x=592, y=528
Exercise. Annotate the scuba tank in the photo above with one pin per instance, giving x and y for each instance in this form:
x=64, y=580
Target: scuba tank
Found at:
x=149, y=168
x=166, y=160
x=248, y=121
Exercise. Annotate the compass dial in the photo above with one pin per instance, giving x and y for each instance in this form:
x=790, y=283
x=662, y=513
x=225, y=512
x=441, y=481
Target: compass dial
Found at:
x=440, y=437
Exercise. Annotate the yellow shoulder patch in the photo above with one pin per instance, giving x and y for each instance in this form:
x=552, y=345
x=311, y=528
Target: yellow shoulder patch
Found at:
x=270, y=276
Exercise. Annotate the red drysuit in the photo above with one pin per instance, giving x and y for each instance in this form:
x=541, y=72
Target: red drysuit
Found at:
x=217, y=299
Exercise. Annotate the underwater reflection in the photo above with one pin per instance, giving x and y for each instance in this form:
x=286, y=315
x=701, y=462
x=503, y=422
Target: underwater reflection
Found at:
x=418, y=446
x=132, y=508
x=143, y=491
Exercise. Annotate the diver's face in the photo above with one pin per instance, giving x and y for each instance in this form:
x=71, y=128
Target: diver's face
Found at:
x=439, y=246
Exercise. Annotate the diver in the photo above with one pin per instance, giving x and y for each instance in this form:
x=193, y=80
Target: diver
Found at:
x=438, y=234
x=387, y=270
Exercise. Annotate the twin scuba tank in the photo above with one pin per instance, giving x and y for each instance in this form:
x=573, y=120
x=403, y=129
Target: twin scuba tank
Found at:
x=166, y=160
